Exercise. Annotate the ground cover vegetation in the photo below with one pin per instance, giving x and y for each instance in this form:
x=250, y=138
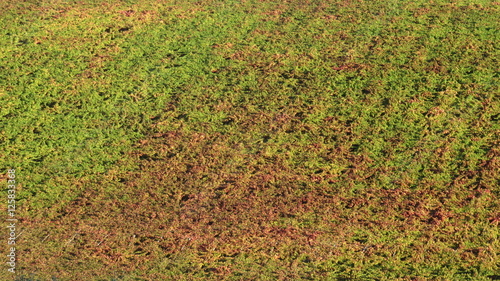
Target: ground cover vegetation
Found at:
x=253, y=140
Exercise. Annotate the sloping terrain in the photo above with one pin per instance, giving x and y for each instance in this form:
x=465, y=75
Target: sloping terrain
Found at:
x=252, y=140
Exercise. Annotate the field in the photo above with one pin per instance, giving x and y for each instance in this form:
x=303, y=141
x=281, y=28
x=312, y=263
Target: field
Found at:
x=251, y=140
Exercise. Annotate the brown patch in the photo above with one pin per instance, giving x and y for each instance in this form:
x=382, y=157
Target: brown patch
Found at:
x=127, y=13
x=495, y=219
x=350, y=67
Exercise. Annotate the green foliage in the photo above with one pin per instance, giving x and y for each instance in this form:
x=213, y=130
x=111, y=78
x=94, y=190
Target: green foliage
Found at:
x=320, y=140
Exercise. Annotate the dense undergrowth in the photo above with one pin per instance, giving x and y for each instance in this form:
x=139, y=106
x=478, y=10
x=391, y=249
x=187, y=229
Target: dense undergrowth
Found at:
x=253, y=140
